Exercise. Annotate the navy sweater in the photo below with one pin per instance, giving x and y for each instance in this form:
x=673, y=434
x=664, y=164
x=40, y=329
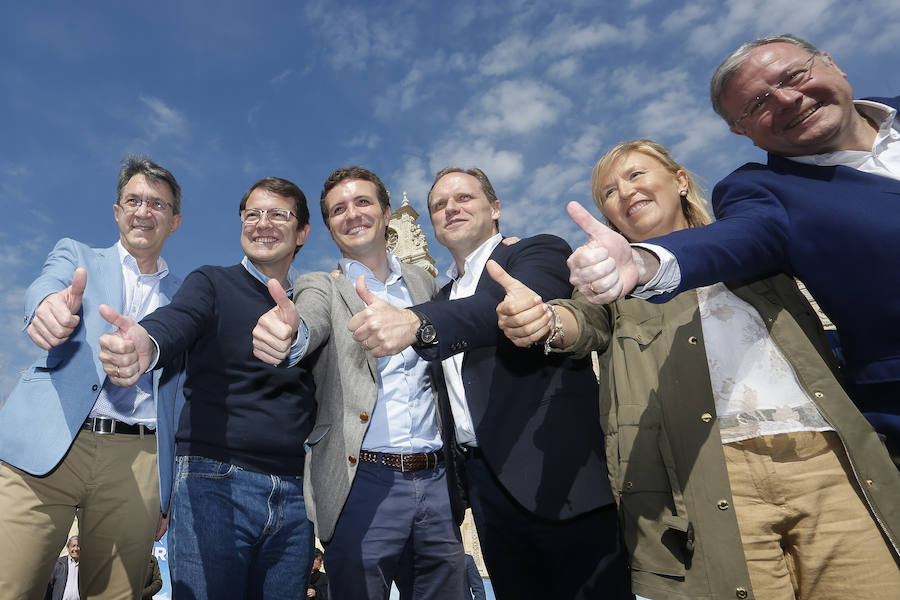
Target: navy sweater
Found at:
x=238, y=409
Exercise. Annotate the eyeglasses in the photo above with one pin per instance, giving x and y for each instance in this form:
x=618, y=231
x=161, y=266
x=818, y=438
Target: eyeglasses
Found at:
x=276, y=216
x=132, y=204
x=794, y=78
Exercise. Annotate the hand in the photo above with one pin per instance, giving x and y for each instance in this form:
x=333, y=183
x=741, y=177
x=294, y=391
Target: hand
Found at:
x=522, y=315
x=126, y=353
x=310, y=593
x=380, y=328
x=602, y=269
x=56, y=317
x=162, y=526
x=275, y=330
x=511, y=240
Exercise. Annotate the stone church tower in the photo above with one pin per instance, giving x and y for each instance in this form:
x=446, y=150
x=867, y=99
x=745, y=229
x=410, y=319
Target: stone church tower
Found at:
x=405, y=238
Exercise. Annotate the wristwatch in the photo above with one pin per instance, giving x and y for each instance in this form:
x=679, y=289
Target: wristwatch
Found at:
x=426, y=335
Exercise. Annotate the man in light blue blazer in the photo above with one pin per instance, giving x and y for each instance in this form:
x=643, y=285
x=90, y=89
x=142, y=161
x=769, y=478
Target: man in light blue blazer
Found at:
x=70, y=441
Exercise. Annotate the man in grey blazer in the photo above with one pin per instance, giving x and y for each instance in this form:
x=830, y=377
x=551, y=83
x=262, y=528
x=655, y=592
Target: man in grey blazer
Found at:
x=376, y=483
x=72, y=441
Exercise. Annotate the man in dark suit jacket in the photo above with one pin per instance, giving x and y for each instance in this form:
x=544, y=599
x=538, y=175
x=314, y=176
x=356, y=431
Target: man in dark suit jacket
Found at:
x=823, y=209
x=60, y=578
x=474, y=584
x=529, y=425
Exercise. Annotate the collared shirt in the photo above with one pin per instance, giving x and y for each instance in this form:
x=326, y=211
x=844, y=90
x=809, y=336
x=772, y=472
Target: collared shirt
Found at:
x=71, y=591
x=403, y=420
x=883, y=159
x=464, y=287
x=140, y=296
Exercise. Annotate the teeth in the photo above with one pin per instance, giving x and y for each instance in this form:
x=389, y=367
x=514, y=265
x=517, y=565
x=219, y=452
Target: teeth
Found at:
x=356, y=230
x=265, y=240
x=636, y=207
x=803, y=116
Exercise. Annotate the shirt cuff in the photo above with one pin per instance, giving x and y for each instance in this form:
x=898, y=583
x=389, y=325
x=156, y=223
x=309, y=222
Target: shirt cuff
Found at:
x=156, y=359
x=301, y=343
x=667, y=278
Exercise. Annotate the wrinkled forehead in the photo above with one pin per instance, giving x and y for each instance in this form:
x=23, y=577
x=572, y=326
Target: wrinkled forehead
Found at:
x=767, y=64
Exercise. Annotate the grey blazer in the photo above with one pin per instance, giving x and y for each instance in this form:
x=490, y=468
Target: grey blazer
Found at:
x=346, y=387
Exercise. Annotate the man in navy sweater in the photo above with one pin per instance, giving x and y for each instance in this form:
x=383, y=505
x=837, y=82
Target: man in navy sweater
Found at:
x=238, y=519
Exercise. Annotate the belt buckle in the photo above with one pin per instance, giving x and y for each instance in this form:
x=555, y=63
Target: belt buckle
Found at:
x=103, y=425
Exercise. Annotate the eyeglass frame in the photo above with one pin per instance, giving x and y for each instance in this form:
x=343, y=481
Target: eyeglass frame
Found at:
x=153, y=204
x=264, y=212
x=764, y=97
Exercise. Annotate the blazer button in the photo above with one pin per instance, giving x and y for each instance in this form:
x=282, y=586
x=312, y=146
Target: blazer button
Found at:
x=819, y=395
x=706, y=417
x=94, y=387
x=692, y=340
x=740, y=592
x=629, y=485
x=352, y=459
x=364, y=417
x=722, y=504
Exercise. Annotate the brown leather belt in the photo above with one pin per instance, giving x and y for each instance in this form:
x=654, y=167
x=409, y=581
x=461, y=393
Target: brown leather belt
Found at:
x=106, y=425
x=403, y=462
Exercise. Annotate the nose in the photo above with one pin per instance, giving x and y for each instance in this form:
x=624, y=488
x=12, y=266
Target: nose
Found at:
x=144, y=209
x=785, y=97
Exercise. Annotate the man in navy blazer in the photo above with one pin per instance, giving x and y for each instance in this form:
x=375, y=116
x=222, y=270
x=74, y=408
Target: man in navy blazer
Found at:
x=535, y=467
x=72, y=441
x=824, y=209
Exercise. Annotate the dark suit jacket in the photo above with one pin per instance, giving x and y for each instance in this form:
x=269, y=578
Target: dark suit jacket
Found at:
x=474, y=583
x=57, y=585
x=536, y=418
x=835, y=228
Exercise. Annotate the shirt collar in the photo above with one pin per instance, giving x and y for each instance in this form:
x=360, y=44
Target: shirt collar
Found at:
x=478, y=258
x=292, y=274
x=352, y=269
x=130, y=263
x=878, y=112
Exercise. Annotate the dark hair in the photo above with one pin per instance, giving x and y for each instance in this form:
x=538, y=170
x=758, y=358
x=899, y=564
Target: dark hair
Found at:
x=344, y=173
x=141, y=165
x=317, y=553
x=287, y=189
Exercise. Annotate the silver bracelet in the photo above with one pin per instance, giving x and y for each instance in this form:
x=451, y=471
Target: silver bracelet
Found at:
x=556, y=331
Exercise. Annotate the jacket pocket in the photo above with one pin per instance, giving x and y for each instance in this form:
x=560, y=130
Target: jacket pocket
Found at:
x=641, y=332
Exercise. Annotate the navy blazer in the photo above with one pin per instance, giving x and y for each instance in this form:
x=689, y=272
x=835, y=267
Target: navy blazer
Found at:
x=835, y=228
x=536, y=417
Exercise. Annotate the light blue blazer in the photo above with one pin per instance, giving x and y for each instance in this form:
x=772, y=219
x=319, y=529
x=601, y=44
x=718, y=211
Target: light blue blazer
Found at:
x=47, y=407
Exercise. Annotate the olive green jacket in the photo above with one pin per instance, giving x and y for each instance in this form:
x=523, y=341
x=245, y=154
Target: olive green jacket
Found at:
x=663, y=445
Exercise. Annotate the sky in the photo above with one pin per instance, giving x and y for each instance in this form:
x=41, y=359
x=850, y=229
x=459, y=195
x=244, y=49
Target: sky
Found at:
x=225, y=93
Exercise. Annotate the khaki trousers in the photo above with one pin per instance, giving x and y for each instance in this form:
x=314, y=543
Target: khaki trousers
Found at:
x=806, y=530
x=111, y=483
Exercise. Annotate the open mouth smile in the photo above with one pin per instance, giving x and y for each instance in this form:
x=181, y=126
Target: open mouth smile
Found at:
x=803, y=116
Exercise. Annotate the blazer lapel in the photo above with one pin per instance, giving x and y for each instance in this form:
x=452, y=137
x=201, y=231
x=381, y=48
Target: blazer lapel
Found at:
x=354, y=304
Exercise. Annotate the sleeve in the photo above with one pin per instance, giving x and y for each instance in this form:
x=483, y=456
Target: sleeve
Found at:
x=312, y=297
x=594, y=325
x=747, y=240
x=177, y=325
x=154, y=581
x=538, y=262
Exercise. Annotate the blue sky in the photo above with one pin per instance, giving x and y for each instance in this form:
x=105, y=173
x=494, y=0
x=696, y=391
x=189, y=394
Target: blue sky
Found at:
x=224, y=93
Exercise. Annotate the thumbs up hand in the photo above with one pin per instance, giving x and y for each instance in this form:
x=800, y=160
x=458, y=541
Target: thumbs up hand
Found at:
x=522, y=315
x=380, y=328
x=127, y=352
x=275, y=330
x=56, y=317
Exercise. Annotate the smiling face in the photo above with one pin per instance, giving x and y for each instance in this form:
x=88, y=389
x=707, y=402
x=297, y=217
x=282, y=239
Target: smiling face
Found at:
x=144, y=231
x=462, y=216
x=270, y=247
x=641, y=197
x=356, y=220
x=74, y=549
x=815, y=117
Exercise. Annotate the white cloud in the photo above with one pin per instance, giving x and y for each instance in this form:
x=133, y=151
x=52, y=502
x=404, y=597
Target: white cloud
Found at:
x=281, y=77
x=682, y=19
x=500, y=165
x=364, y=140
x=415, y=180
x=564, y=69
x=514, y=107
x=509, y=55
x=162, y=120
x=586, y=148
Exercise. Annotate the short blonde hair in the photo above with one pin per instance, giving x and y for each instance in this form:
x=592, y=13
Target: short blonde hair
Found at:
x=694, y=205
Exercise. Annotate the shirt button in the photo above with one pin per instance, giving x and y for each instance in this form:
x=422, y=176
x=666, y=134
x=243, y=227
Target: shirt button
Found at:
x=352, y=459
x=706, y=417
x=94, y=387
x=722, y=504
x=364, y=417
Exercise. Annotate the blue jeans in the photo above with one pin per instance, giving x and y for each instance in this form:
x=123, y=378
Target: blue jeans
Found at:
x=235, y=533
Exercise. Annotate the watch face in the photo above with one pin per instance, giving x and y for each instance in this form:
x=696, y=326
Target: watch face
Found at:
x=427, y=333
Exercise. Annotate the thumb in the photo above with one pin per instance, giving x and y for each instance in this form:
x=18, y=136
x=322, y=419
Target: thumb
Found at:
x=367, y=296
x=286, y=309
x=591, y=226
x=114, y=318
x=76, y=290
x=499, y=274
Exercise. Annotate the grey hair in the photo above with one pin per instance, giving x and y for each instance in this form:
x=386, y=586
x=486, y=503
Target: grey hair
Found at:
x=141, y=165
x=734, y=61
x=69, y=541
